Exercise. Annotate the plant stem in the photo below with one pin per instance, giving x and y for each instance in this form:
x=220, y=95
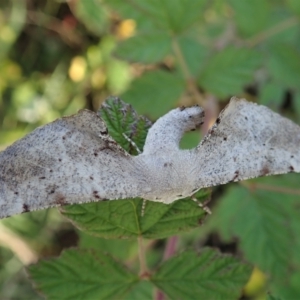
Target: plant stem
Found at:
x=191, y=84
x=272, y=188
x=170, y=247
x=144, y=272
x=169, y=251
x=253, y=41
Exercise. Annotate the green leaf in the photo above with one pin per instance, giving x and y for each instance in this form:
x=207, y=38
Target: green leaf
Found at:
x=284, y=65
x=149, y=47
x=15, y=13
x=120, y=249
x=155, y=93
x=271, y=297
x=244, y=12
x=93, y=15
x=194, y=53
x=123, y=218
x=121, y=118
x=271, y=95
x=294, y=5
x=281, y=18
x=133, y=11
x=288, y=288
x=229, y=71
x=266, y=222
x=142, y=290
x=209, y=275
x=79, y=274
x=166, y=15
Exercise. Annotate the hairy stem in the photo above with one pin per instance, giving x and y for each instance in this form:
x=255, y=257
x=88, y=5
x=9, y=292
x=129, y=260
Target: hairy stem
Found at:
x=144, y=272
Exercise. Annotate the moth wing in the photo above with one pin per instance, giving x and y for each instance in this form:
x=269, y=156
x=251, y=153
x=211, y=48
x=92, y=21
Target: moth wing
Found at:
x=247, y=141
x=71, y=160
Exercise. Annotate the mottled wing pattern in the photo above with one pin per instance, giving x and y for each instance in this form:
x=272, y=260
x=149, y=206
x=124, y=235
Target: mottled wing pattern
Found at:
x=247, y=141
x=72, y=160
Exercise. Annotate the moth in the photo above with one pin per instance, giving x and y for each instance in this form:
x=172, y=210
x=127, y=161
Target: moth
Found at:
x=74, y=160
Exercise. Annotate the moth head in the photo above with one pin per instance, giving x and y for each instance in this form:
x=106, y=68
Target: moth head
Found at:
x=190, y=117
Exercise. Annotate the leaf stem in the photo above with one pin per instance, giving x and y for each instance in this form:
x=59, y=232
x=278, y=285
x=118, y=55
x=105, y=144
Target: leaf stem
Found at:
x=253, y=186
x=191, y=84
x=260, y=37
x=169, y=251
x=144, y=272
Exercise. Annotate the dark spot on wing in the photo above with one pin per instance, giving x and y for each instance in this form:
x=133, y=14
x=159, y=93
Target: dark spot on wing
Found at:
x=42, y=177
x=91, y=177
x=95, y=154
x=60, y=199
x=16, y=193
x=25, y=208
x=291, y=168
x=168, y=164
x=225, y=138
x=246, y=118
x=104, y=131
x=264, y=171
x=236, y=175
x=63, y=137
x=59, y=159
x=95, y=194
x=218, y=121
x=51, y=189
x=51, y=171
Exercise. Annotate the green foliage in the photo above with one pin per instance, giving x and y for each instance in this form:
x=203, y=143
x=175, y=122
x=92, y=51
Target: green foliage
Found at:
x=229, y=71
x=209, y=275
x=267, y=226
x=284, y=65
x=60, y=56
x=98, y=276
x=124, y=219
x=149, y=47
x=154, y=92
x=121, y=119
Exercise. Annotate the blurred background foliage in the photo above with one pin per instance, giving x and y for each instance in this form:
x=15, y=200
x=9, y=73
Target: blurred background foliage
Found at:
x=58, y=56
